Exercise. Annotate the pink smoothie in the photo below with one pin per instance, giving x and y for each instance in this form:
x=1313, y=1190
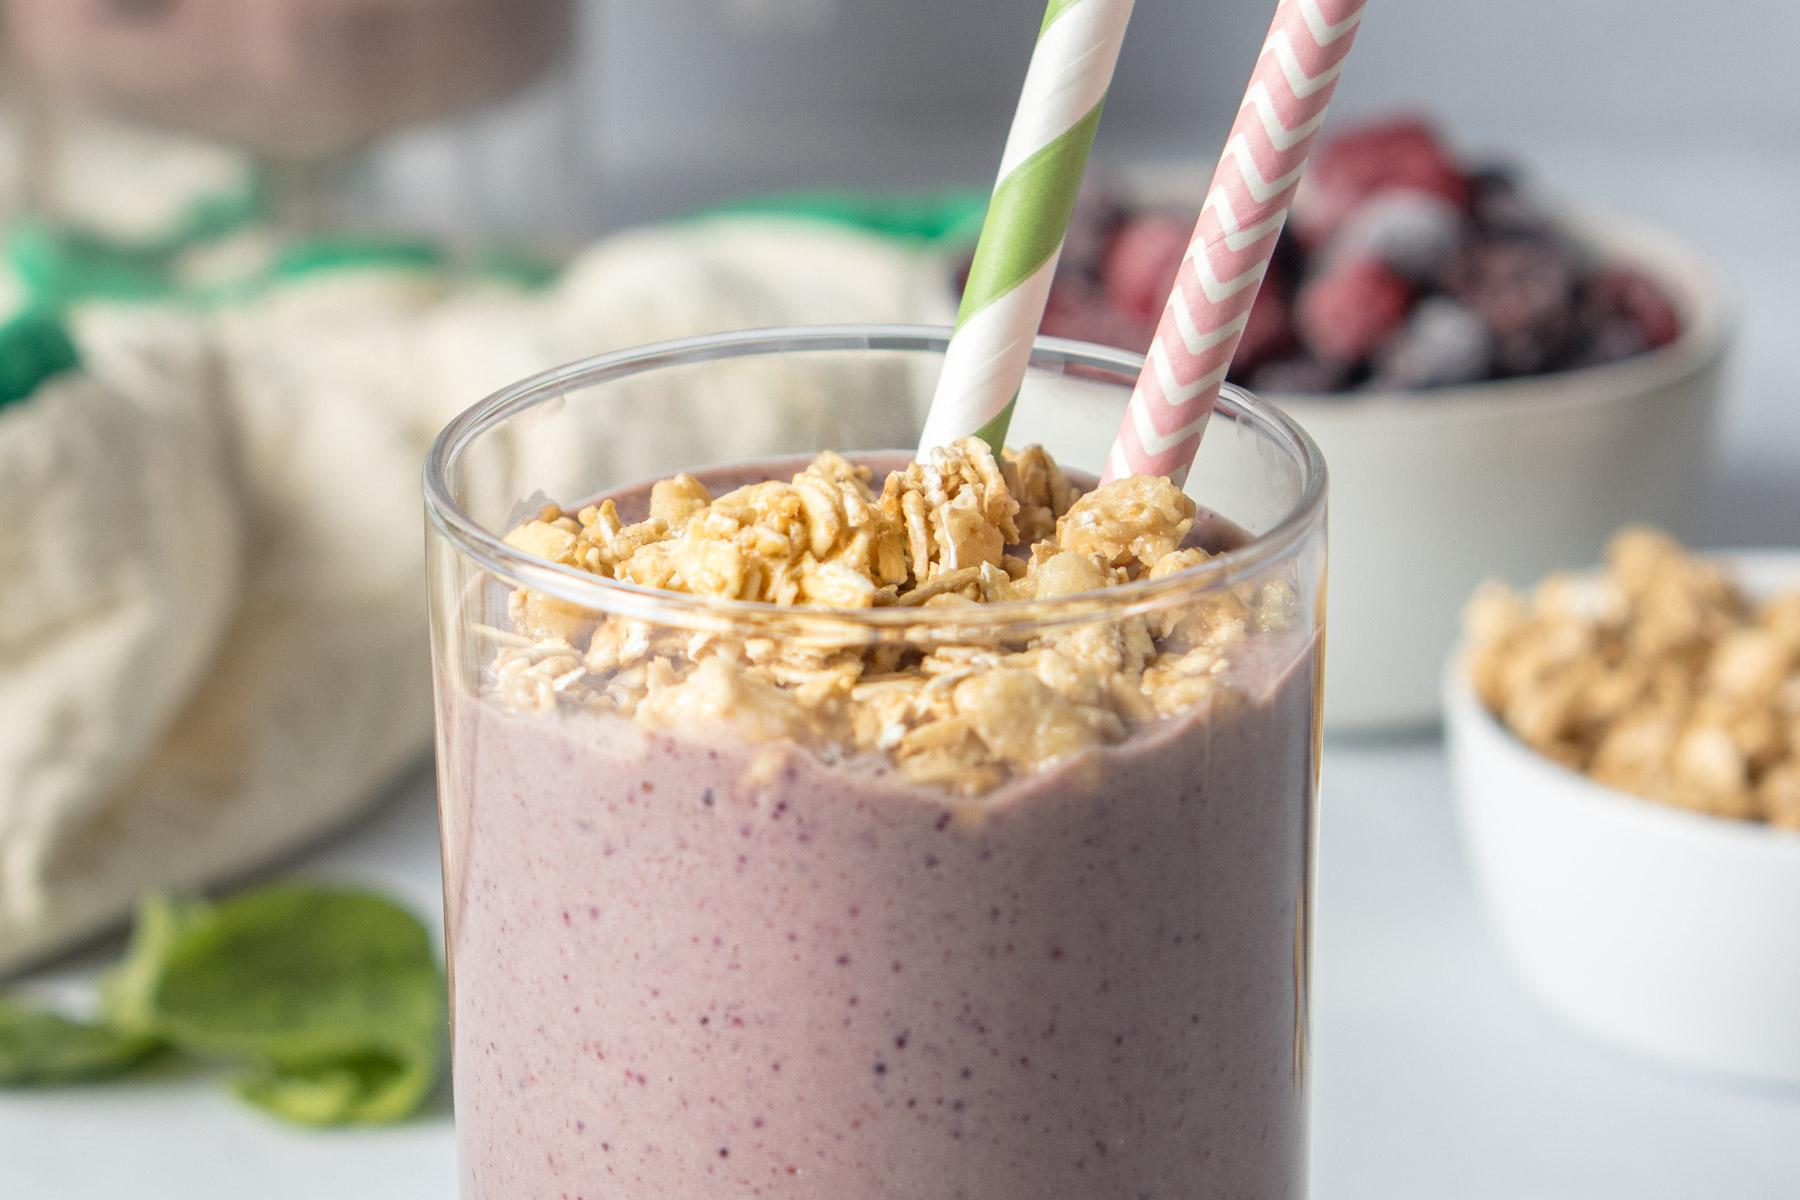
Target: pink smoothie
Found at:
x=684, y=970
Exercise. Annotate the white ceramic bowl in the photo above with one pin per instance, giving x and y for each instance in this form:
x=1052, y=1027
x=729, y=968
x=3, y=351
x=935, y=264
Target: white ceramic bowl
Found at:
x=1671, y=933
x=1433, y=492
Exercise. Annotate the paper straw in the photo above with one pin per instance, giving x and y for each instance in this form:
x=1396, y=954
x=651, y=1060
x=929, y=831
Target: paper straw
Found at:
x=1022, y=236
x=1234, y=239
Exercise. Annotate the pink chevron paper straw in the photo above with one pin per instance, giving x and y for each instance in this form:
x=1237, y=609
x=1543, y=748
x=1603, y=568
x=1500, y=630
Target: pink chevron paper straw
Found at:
x=1245, y=207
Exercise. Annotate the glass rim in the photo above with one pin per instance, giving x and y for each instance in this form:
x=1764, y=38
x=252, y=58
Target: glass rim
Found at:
x=488, y=549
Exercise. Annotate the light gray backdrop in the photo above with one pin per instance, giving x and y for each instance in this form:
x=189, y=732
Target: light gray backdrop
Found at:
x=1684, y=113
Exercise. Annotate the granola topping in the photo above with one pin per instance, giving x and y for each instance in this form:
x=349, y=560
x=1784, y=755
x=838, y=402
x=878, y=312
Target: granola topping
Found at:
x=965, y=528
x=1661, y=679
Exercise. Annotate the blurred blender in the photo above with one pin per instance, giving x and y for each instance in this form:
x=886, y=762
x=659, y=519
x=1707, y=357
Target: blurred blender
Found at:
x=301, y=84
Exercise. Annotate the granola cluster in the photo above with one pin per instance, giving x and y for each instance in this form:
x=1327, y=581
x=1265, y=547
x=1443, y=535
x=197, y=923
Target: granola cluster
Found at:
x=1661, y=679
x=964, y=529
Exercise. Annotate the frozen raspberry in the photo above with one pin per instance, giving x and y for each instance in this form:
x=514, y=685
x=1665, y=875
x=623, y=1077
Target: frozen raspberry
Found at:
x=1402, y=154
x=1141, y=264
x=1440, y=345
x=1415, y=233
x=1269, y=333
x=1079, y=310
x=1345, y=314
x=1524, y=288
x=1297, y=377
x=1639, y=300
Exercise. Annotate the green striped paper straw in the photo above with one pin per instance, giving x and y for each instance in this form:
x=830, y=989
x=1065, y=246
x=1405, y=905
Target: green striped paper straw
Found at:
x=1040, y=171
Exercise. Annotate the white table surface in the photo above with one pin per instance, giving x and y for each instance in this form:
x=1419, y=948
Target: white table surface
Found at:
x=1436, y=1077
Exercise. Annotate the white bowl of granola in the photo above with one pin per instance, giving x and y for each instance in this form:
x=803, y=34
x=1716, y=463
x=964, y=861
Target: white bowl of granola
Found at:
x=1658, y=905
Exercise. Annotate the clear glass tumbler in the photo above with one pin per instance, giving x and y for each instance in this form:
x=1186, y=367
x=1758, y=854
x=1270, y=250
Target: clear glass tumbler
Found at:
x=700, y=949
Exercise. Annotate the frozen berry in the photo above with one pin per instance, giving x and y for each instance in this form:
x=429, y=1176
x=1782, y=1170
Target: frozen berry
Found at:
x=1097, y=217
x=1524, y=288
x=1345, y=314
x=1415, y=233
x=1400, y=268
x=1391, y=155
x=1071, y=309
x=1289, y=259
x=1611, y=339
x=1639, y=300
x=1499, y=204
x=1141, y=264
x=1069, y=300
x=1440, y=345
x=1078, y=310
x=1298, y=377
x=1269, y=333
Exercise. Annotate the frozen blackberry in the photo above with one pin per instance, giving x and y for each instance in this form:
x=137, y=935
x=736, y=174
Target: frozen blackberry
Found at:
x=1499, y=204
x=1525, y=289
x=1098, y=216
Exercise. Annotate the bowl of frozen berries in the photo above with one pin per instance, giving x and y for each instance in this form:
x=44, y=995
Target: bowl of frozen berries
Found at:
x=1497, y=381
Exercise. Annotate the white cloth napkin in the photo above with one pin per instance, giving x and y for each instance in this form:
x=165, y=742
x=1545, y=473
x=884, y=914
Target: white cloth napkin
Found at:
x=212, y=642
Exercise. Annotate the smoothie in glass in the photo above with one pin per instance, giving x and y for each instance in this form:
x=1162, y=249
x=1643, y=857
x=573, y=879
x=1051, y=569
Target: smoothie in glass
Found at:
x=838, y=828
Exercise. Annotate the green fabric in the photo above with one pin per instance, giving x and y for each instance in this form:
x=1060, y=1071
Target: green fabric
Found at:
x=34, y=347
x=312, y=256
x=62, y=263
x=952, y=215
x=59, y=267
x=207, y=219
x=519, y=267
x=215, y=216
x=347, y=252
